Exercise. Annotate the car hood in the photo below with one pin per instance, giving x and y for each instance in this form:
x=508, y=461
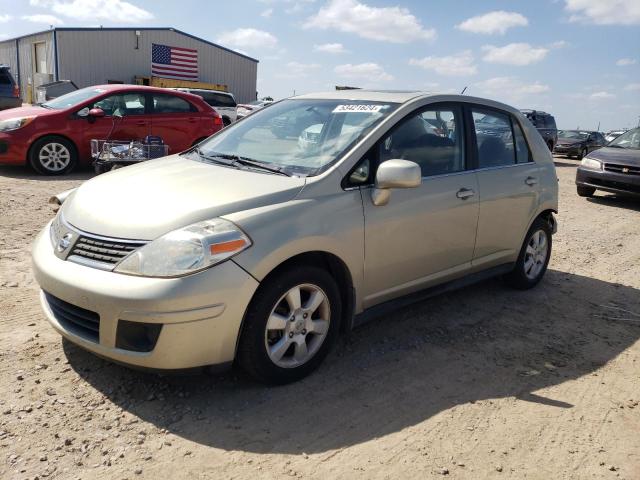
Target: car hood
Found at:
x=147, y=200
x=624, y=156
x=25, y=112
x=568, y=141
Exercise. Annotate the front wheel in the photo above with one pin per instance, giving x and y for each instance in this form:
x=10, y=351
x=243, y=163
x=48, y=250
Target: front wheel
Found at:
x=53, y=156
x=534, y=257
x=583, y=153
x=290, y=325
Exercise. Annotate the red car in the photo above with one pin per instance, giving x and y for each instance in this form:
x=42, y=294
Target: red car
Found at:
x=55, y=136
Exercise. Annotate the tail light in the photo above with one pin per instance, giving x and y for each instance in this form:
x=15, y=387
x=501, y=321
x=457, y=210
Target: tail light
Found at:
x=217, y=121
x=16, y=91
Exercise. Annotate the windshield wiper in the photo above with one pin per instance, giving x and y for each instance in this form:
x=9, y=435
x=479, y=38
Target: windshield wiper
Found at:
x=214, y=158
x=615, y=146
x=249, y=162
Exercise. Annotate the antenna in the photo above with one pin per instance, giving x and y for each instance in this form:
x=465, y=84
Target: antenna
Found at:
x=463, y=90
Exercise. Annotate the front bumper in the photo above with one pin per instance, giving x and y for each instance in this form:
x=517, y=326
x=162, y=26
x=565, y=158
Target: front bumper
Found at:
x=201, y=314
x=621, y=183
x=13, y=151
x=567, y=150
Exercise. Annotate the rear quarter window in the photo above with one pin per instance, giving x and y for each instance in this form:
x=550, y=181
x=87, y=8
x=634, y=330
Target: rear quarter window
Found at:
x=5, y=78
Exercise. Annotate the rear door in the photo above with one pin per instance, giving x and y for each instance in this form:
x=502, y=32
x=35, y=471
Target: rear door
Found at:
x=175, y=120
x=6, y=83
x=508, y=182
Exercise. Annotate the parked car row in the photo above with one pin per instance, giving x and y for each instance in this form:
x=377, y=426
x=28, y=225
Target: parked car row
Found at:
x=578, y=143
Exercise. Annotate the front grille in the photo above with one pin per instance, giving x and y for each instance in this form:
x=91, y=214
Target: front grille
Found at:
x=624, y=169
x=107, y=252
x=77, y=320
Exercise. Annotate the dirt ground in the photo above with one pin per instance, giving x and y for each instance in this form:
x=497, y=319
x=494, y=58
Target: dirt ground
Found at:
x=485, y=382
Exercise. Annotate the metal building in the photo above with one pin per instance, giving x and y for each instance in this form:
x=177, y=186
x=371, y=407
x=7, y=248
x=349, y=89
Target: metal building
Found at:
x=92, y=56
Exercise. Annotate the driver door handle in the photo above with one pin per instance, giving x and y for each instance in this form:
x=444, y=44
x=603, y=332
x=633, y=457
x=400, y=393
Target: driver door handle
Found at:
x=531, y=181
x=465, y=193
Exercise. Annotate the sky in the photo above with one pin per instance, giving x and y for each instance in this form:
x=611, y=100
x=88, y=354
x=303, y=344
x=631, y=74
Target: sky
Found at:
x=577, y=59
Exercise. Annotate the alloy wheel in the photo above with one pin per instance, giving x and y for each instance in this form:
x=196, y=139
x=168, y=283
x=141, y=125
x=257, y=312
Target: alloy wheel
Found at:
x=297, y=326
x=54, y=157
x=535, y=255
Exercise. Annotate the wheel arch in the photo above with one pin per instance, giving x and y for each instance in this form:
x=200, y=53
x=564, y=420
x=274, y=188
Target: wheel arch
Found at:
x=54, y=135
x=329, y=262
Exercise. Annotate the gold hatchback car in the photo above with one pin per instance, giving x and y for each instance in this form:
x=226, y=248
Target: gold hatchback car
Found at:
x=263, y=242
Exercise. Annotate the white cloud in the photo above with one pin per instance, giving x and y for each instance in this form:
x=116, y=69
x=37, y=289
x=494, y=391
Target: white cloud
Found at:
x=267, y=13
x=603, y=95
x=330, y=48
x=633, y=87
x=371, y=72
x=558, y=44
x=625, y=62
x=514, y=54
x=298, y=70
x=510, y=88
x=247, y=38
x=459, y=64
x=43, y=18
x=387, y=24
x=5, y=18
x=118, y=11
x=493, y=22
x=293, y=6
x=604, y=12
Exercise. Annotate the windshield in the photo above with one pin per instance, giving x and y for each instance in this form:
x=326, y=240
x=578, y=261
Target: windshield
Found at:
x=573, y=134
x=74, y=98
x=303, y=137
x=630, y=139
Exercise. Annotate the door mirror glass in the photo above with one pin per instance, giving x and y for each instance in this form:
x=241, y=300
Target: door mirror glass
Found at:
x=96, y=113
x=398, y=173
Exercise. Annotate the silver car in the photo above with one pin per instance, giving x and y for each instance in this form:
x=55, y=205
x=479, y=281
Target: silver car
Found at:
x=250, y=249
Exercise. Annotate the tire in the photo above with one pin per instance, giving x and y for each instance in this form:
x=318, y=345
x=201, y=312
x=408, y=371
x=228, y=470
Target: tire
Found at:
x=226, y=121
x=550, y=145
x=585, y=191
x=524, y=275
x=53, y=156
x=583, y=153
x=270, y=347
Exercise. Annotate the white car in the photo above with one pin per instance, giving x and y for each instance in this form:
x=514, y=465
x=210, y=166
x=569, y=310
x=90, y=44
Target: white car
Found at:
x=223, y=102
x=613, y=134
x=245, y=109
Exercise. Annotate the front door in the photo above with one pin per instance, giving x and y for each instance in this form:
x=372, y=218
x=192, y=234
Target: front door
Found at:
x=424, y=235
x=508, y=180
x=130, y=122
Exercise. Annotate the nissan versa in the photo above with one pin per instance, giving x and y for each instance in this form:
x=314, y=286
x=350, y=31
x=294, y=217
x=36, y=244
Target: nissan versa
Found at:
x=260, y=249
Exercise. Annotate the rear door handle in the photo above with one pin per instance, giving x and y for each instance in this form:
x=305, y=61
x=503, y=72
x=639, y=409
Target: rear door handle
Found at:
x=465, y=193
x=531, y=181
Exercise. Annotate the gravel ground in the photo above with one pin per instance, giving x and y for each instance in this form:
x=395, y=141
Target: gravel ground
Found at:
x=485, y=382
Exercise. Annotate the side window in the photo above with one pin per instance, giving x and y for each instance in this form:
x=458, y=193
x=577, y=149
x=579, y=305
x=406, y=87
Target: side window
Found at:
x=122, y=104
x=522, y=149
x=494, y=138
x=433, y=139
x=170, y=104
x=5, y=79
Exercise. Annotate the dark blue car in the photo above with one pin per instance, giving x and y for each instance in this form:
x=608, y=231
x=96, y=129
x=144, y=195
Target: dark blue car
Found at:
x=9, y=90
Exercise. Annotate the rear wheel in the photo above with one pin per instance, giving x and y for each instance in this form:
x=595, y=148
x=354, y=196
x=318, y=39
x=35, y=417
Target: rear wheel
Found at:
x=585, y=191
x=290, y=326
x=550, y=145
x=534, y=257
x=226, y=121
x=53, y=156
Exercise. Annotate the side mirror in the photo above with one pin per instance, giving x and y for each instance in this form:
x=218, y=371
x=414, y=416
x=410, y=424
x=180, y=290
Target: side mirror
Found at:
x=96, y=113
x=83, y=112
x=394, y=174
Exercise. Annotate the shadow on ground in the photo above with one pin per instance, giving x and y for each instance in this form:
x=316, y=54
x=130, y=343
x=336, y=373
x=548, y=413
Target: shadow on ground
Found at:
x=486, y=341
x=26, y=173
x=617, y=201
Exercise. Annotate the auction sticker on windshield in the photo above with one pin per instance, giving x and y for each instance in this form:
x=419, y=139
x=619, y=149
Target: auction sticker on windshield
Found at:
x=358, y=108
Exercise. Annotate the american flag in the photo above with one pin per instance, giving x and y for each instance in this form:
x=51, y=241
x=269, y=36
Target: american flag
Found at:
x=174, y=62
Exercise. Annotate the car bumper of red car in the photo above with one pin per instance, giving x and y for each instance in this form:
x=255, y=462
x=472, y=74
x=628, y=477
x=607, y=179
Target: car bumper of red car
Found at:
x=12, y=150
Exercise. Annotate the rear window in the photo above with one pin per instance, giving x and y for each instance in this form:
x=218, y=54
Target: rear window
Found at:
x=217, y=99
x=5, y=77
x=170, y=104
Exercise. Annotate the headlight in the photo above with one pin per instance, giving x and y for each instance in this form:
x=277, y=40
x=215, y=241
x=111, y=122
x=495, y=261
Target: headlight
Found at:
x=591, y=163
x=55, y=230
x=187, y=250
x=15, y=123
